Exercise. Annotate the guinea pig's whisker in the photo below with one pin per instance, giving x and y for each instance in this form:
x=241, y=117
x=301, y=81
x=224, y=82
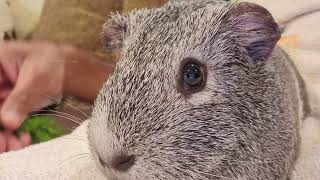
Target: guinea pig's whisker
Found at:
x=254, y=161
x=63, y=113
x=71, y=138
x=308, y=73
x=73, y=107
x=79, y=61
x=97, y=62
x=68, y=118
x=75, y=158
x=72, y=118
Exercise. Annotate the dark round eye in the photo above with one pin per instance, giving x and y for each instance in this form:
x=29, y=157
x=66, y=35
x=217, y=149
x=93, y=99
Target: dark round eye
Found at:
x=192, y=75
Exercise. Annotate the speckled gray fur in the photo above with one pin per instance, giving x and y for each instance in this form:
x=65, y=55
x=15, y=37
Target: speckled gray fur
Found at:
x=243, y=125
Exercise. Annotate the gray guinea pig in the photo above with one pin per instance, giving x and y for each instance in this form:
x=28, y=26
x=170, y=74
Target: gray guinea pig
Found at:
x=201, y=91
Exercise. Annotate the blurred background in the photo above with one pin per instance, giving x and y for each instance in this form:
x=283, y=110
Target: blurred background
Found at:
x=78, y=23
x=73, y=22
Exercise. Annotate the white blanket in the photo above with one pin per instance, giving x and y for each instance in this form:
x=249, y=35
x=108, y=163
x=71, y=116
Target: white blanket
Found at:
x=66, y=158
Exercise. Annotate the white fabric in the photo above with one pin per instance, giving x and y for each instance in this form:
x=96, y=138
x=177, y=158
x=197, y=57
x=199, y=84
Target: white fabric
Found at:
x=308, y=164
x=65, y=158
x=60, y=159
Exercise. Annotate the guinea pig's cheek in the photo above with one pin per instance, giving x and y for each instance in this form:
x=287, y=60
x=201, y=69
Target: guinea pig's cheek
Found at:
x=203, y=97
x=199, y=98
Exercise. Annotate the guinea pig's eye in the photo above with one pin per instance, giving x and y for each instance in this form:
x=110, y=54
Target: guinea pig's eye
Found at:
x=192, y=75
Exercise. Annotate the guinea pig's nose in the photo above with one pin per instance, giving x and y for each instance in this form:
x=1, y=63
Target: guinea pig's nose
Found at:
x=122, y=162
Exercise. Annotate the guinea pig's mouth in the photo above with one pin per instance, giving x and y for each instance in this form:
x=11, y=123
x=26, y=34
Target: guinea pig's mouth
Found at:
x=116, y=167
x=111, y=174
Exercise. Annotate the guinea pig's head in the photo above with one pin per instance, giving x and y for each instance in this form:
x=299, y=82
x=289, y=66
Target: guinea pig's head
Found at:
x=190, y=97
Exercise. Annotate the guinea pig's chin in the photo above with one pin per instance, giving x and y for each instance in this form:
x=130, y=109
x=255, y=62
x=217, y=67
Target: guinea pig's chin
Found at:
x=113, y=175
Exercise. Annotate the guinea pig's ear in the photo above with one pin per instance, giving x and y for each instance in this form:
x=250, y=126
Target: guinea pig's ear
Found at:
x=113, y=32
x=254, y=29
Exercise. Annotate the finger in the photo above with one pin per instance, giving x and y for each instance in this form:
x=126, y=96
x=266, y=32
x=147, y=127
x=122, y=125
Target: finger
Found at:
x=4, y=80
x=9, y=68
x=2, y=75
x=5, y=85
x=4, y=91
x=25, y=139
x=11, y=54
x=3, y=143
x=13, y=143
x=12, y=112
x=14, y=48
x=23, y=99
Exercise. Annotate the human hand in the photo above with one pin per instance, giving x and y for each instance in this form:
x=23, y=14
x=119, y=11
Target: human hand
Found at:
x=31, y=77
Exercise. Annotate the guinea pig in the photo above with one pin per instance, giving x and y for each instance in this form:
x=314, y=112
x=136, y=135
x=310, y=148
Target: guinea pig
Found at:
x=200, y=91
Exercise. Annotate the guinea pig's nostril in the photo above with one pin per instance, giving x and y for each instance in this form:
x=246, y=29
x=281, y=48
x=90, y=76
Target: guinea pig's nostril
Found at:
x=123, y=162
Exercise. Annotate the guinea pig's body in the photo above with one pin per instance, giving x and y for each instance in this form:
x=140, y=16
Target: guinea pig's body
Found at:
x=201, y=91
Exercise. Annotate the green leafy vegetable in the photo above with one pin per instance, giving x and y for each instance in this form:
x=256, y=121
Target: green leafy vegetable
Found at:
x=42, y=128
